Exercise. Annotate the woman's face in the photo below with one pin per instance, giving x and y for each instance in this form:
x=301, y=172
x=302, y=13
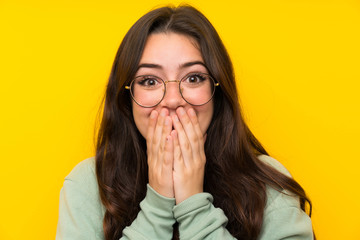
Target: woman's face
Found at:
x=171, y=56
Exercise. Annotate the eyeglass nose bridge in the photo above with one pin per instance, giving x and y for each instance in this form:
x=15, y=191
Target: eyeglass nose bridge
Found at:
x=168, y=81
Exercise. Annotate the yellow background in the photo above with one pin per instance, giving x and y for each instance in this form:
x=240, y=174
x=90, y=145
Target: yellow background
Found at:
x=297, y=64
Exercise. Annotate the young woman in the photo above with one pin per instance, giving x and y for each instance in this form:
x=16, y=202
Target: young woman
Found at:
x=174, y=156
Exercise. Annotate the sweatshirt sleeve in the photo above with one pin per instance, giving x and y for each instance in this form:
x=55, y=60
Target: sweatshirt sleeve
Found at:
x=199, y=219
x=155, y=219
x=283, y=217
x=81, y=212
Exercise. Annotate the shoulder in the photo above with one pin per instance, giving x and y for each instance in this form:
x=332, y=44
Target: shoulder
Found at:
x=80, y=208
x=282, y=214
x=83, y=170
x=274, y=163
x=277, y=198
x=81, y=182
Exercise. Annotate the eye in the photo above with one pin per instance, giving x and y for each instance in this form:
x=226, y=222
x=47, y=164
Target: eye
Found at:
x=148, y=81
x=195, y=78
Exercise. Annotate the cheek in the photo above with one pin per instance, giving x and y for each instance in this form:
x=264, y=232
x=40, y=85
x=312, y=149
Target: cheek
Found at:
x=205, y=114
x=141, y=117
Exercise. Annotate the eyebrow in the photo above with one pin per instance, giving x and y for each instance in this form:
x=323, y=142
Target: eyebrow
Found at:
x=183, y=65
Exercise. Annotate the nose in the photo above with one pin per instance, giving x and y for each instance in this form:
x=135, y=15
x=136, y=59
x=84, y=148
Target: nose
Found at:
x=172, y=98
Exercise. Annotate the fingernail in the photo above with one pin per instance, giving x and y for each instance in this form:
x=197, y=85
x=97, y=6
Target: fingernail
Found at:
x=176, y=119
x=153, y=114
x=167, y=121
x=181, y=111
x=163, y=112
x=192, y=112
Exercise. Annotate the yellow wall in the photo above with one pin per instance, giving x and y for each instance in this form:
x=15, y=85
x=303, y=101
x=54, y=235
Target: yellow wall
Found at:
x=297, y=63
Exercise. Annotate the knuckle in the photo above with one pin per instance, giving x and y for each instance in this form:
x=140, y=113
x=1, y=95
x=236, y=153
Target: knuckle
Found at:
x=200, y=135
x=155, y=139
x=187, y=120
x=166, y=162
x=161, y=148
x=199, y=163
x=148, y=138
x=178, y=155
x=187, y=146
x=194, y=139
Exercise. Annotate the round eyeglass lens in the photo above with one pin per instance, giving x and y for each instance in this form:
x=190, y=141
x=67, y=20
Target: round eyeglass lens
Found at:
x=147, y=91
x=197, y=88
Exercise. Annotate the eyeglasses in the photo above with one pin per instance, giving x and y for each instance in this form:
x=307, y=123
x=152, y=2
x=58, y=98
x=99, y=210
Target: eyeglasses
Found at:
x=195, y=88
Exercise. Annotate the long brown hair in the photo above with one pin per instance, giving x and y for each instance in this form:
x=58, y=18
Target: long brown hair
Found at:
x=234, y=175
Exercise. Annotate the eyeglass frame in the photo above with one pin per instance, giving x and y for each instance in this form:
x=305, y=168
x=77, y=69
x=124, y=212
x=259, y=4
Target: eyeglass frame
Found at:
x=128, y=87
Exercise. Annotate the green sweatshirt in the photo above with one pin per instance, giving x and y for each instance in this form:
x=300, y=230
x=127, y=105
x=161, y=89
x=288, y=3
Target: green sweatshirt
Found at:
x=81, y=213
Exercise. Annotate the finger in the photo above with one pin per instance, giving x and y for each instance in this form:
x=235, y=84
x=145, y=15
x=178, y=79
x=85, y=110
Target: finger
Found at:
x=151, y=128
x=154, y=143
x=166, y=130
x=185, y=148
x=186, y=123
x=168, y=155
x=168, y=163
x=190, y=133
x=195, y=122
x=151, y=125
x=196, y=125
x=178, y=160
x=157, y=137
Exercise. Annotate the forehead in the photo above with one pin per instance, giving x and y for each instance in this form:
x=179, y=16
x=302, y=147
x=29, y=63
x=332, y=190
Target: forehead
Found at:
x=170, y=49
